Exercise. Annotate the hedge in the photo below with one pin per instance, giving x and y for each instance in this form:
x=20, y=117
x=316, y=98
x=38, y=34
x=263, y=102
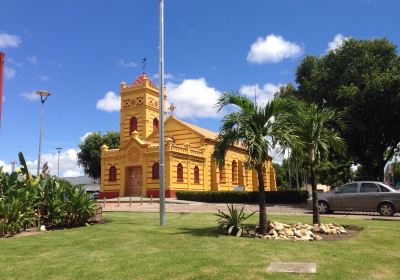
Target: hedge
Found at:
x=283, y=196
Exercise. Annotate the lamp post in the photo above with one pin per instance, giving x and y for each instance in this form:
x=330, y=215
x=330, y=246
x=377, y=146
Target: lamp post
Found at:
x=13, y=162
x=58, y=161
x=43, y=97
x=161, y=98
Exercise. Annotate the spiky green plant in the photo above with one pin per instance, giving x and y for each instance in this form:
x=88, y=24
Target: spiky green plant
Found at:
x=232, y=222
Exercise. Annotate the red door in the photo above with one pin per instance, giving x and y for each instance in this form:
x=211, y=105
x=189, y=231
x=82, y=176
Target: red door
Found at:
x=134, y=181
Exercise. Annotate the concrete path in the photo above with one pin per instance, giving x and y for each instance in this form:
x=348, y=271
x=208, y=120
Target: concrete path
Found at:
x=182, y=206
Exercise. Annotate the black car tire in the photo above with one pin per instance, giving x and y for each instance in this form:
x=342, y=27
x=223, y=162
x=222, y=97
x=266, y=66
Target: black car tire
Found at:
x=323, y=207
x=386, y=209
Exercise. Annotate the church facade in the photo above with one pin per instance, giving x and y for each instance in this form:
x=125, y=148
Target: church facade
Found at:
x=133, y=169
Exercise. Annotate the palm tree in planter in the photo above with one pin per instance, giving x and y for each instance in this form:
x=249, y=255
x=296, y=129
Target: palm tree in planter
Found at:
x=257, y=128
x=317, y=129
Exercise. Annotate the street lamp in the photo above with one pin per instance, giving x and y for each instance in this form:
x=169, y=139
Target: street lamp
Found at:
x=43, y=97
x=58, y=164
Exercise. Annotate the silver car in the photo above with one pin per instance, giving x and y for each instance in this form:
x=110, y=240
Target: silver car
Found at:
x=361, y=196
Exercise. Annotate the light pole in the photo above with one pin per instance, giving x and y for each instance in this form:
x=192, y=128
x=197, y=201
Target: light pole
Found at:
x=43, y=97
x=13, y=162
x=161, y=98
x=58, y=164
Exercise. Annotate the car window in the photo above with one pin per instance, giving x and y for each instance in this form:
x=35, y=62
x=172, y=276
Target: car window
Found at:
x=369, y=187
x=384, y=189
x=349, y=188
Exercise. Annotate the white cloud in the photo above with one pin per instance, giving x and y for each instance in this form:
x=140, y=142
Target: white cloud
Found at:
x=44, y=78
x=82, y=138
x=8, y=40
x=68, y=163
x=123, y=63
x=337, y=42
x=9, y=72
x=32, y=96
x=264, y=94
x=193, y=98
x=272, y=49
x=32, y=59
x=6, y=167
x=109, y=103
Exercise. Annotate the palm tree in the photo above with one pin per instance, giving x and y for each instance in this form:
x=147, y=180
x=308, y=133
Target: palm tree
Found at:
x=317, y=129
x=257, y=128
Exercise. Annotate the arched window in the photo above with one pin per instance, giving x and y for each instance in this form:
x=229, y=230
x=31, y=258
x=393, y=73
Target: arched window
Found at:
x=179, y=172
x=234, y=172
x=112, y=176
x=196, y=175
x=155, y=173
x=133, y=125
x=156, y=124
x=221, y=173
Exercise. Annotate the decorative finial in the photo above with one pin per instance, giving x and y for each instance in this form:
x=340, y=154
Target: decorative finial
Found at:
x=171, y=109
x=144, y=61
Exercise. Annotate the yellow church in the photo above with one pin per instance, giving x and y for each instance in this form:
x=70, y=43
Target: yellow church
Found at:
x=133, y=169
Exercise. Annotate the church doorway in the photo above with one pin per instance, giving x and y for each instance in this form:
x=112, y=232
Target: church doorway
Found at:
x=133, y=184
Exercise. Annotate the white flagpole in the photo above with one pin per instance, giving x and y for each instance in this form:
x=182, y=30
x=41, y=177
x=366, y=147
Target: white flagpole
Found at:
x=161, y=102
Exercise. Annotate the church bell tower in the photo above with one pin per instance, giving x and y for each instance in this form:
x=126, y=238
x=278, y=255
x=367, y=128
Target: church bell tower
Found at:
x=139, y=108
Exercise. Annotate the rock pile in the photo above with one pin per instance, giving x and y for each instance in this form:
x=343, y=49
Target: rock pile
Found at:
x=300, y=231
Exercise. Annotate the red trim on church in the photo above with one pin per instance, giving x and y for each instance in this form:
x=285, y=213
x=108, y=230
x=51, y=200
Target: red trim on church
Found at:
x=156, y=193
x=108, y=194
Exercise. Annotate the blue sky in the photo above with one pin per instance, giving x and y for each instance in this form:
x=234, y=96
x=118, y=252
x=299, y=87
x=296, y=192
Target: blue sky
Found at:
x=81, y=50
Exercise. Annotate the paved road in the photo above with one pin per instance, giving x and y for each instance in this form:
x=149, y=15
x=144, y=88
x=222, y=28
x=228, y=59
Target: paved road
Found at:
x=180, y=206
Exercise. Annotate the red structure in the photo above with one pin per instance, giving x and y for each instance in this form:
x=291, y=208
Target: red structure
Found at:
x=2, y=55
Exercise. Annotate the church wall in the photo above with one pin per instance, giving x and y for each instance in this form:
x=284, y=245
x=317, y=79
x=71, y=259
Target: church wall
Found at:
x=112, y=188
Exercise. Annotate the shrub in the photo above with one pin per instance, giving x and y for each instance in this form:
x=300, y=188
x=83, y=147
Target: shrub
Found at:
x=26, y=201
x=281, y=196
x=232, y=223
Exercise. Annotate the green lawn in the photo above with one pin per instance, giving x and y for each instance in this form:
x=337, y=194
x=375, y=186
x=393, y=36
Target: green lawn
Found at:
x=133, y=246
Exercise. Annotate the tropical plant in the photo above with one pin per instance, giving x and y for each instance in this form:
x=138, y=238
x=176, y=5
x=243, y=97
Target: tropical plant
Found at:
x=232, y=222
x=257, y=128
x=317, y=129
x=26, y=201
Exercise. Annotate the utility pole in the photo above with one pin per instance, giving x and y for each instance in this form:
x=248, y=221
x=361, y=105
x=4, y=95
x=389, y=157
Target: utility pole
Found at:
x=58, y=163
x=13, y=162
x=161, y=102
x=43, y=97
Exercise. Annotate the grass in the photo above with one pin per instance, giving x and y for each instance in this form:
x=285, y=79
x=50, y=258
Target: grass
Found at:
x=133, y=246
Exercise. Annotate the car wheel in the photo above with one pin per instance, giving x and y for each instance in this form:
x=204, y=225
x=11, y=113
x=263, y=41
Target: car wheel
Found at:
x=323, y=207
x=386, y=209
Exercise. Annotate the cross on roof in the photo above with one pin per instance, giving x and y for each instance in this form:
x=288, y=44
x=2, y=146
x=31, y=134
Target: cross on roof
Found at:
x=171, y=109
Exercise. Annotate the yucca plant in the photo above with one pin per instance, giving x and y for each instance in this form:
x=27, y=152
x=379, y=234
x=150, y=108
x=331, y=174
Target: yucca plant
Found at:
x=232, y=223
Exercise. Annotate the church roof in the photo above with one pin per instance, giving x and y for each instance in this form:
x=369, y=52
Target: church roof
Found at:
x=141, y=80
x=205, y=132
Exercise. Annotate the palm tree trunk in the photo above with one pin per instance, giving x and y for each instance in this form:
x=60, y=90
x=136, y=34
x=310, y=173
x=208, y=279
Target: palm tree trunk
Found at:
x=316, y=219
x=261, y=192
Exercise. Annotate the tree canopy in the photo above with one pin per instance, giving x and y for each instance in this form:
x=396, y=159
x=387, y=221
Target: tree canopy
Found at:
x=361, y=79
x=90, y=151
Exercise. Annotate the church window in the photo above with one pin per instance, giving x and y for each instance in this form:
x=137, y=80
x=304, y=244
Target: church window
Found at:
x=196, y=175
x=112, y=176
x=155, y=124
x=234, y=172
x=133, y=125
x=179, y=172
x=221, y=174
x=155, y=173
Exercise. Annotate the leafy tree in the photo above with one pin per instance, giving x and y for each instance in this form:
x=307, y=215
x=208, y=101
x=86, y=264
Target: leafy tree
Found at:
x=361, y=79
x=315, y=128
x=90, y=151
x=281, y=176
x=257, y=128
